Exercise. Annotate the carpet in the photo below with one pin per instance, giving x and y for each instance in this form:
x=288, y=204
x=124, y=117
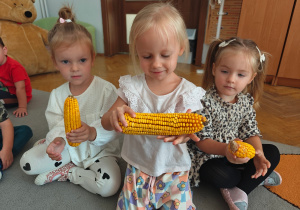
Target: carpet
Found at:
x=289, y=170
x=18, y=191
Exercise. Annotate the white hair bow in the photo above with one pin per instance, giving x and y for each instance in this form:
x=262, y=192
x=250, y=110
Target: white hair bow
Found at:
x=61, y=20
x=262, y=57
x=224, y=43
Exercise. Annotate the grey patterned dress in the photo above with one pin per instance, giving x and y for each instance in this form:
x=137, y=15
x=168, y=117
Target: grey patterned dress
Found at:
x=226, y=121
x=3, y=113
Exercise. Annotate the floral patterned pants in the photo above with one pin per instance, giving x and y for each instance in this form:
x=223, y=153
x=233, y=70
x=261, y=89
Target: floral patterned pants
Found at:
x=169, y=191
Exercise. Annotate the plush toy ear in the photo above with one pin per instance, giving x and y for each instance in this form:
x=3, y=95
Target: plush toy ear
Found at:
x=33, y=1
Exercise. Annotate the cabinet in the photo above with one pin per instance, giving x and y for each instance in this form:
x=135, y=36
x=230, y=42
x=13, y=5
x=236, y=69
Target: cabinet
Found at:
x=274, y=26
x=289, y=68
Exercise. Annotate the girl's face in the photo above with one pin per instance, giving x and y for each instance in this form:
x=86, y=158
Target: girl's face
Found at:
x=3, y=53
x=232, y=74
x=157, y=56
x=74, y=63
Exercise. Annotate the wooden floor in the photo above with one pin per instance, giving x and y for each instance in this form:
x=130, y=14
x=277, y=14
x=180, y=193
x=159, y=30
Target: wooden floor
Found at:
x=278, y=117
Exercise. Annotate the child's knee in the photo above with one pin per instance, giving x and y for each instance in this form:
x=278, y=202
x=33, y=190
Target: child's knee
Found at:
x=108, y=176
x=25, y=164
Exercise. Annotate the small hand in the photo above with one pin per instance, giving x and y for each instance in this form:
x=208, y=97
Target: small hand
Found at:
x=179, y=139
x=55, y=148
x=7, y=158
x=233, y=159
x=20, y=112
x=118, y=114
x=261, y=164
x=84, y=133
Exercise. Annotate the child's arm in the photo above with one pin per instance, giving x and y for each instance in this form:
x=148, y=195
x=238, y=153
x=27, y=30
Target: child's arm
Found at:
x=259, y=160
x=6, y=154
x=110, y=120
x=22, y=99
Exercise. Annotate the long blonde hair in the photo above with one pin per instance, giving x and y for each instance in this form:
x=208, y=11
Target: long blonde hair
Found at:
x=166, y=19
x=247, y=46
x=68, y=32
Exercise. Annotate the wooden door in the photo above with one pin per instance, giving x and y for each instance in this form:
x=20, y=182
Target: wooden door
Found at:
x=266, y=22
x=114, y=21
x=289, y=70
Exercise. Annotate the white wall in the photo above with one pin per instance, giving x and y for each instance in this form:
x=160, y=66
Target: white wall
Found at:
x=86, y=11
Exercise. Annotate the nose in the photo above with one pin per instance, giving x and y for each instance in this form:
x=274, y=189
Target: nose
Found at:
x=28, y=14
x=156, y=62
x=74, y=67
x=231, y=78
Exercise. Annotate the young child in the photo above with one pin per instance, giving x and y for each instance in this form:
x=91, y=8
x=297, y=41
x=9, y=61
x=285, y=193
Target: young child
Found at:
x=15, y=87
x=12, y=139
x=157, y=172
x=93, y=163
x=234, y=77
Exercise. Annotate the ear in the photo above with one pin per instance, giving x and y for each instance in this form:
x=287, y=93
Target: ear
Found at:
x=254, y=75
x=5, y=50
x=213, y=69
x=181, y=51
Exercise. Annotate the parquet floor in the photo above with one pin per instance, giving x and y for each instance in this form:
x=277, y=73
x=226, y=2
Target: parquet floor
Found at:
x=278, y=116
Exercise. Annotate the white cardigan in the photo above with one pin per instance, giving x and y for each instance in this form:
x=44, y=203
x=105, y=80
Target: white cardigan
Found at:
x=93, y=104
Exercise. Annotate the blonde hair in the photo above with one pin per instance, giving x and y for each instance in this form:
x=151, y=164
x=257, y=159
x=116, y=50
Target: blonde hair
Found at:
x=69, y=32
x=248, y=47
x=166, y=19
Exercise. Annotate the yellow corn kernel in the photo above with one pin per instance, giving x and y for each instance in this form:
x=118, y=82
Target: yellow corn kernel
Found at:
x=241, y=149
x=71, y=116
x=163, y=123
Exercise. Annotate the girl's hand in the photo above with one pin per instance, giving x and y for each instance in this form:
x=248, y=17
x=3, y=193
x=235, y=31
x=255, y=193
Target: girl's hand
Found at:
x=55, y=148
x=118, y=114
x=233, y=159
x=179, y=139
x=261, y=164
x=84, y=133
x=20, y=112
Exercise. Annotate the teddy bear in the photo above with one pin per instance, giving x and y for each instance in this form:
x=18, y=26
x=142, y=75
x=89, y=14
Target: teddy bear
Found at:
x=26, y=42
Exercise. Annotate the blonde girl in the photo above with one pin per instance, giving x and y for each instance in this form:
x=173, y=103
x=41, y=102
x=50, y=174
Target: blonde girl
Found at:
x=93, y=163
x=234, y=79
x=157, y=171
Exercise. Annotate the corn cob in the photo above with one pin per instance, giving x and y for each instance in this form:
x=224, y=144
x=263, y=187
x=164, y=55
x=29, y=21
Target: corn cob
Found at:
x=241, y=149
x=163, y=123
x=71, y=116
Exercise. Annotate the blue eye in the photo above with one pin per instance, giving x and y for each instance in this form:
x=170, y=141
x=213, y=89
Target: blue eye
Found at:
x=241, y=75
x=83, y=60
x=65, y=61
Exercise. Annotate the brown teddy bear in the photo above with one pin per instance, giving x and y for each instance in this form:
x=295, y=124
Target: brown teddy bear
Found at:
x=25, y=41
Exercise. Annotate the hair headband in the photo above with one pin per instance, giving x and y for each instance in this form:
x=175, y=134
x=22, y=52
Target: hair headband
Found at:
x=262, y=57
x=61, y=20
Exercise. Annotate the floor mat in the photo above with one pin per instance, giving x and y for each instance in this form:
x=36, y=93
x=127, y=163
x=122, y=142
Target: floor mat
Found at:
x=289, y=169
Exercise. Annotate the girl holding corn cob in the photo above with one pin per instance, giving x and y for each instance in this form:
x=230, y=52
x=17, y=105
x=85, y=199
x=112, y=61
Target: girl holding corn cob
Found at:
x=93, y=163
x=157, y=172
x=234, y=78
